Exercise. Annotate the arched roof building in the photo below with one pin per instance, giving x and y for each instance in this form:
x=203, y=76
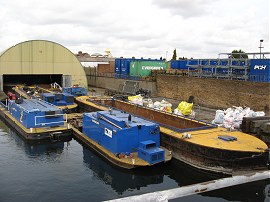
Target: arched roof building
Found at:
x=41, y=61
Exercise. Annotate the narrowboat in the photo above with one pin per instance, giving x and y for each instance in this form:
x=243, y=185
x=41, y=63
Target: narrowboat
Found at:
x=196, y=143
x=125, y=140
x=36, y=119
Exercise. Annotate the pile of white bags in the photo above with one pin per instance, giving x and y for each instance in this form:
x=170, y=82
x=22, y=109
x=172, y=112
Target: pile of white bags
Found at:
x=232, y=117
x=163, y=106
x=136, y=99
x=148, y=103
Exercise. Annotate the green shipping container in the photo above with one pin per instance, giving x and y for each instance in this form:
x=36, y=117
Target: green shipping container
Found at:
x=144, y=68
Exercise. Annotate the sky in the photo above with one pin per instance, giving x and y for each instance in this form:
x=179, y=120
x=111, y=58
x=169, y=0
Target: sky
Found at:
x=139, y=28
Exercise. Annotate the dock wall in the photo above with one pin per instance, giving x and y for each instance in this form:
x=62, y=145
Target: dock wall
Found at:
x=115, y=83
x=215, y=93
x=212, y=93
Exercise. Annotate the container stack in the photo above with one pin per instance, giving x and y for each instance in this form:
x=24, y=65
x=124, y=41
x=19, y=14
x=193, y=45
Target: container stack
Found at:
x=136, y=69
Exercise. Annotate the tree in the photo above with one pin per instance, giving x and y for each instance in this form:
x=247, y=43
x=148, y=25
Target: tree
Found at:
x=237, y=55
x=174, y=55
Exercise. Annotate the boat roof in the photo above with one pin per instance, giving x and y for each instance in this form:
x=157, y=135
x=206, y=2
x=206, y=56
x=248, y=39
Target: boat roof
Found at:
x=118, y=116
x=48, y=94
x=32, y=105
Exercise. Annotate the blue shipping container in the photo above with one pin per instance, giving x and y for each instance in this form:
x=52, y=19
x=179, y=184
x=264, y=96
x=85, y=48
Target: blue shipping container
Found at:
x=260, y=70
x=174, y=64
x=117, y=67
x=179, y=64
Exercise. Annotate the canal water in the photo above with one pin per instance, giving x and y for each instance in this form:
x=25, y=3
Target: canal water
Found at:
x=69, y=171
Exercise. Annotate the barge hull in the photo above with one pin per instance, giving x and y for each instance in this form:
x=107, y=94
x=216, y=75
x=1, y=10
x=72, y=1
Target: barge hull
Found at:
x=79, y=136
x=47, y=135
x=209, y=159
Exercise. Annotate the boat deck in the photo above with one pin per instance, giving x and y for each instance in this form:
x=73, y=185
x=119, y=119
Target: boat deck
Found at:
x=210, y=138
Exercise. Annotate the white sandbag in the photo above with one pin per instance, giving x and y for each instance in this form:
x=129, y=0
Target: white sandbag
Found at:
x=192, y=114
x=156, y=104
x=259, y=113
x=165, y=103
x=147, y=102
x=236, y=124
x=219, y=117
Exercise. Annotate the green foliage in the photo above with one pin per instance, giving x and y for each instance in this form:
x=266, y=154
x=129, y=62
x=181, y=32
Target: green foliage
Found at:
x=239, y=55
x=174, y=55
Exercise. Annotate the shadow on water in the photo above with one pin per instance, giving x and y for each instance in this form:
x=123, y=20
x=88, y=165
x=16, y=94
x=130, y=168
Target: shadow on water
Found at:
x=35, y=148
x=125, y=180
x=122, y=180
x=119, y=179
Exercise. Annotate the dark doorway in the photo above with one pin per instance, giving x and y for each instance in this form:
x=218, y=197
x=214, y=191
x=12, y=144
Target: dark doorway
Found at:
x=10, y=81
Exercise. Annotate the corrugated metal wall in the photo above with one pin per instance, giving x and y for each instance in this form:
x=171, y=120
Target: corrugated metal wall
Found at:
x=42, y=57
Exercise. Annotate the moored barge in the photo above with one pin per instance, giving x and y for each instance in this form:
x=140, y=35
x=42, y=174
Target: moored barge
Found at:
x=123, y=139
x=64, y=101
x=36, y=120
x=196, y=143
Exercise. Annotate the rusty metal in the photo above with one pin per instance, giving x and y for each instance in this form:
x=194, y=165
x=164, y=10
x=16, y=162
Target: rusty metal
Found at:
x=154, y=115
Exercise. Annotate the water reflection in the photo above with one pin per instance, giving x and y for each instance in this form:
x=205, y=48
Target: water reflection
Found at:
x=35, y=148
x=121, y=180
x=255, y=191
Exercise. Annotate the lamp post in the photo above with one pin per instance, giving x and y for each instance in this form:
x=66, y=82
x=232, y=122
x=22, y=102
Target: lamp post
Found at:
x=261, y=48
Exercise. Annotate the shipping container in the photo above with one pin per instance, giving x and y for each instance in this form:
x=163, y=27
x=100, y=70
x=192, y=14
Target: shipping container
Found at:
x=144, y=67
x=122, y=66
x=117, y=66
x=179, y=64
x=125, y=66
x=260, y=70
x=174, y=64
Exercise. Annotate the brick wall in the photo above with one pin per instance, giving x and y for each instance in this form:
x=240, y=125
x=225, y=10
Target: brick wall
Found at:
x=215, y=93
x=105, y=68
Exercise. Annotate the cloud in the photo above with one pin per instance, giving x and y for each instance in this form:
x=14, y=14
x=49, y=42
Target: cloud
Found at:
x=185, y=8
x=142, y=28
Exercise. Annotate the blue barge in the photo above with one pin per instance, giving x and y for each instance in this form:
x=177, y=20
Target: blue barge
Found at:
x=75, y=91
x=58, y=99
x=36, y=119
x=124, y=139
x=64, y=101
